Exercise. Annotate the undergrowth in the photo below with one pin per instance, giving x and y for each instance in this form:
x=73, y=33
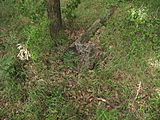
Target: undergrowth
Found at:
x=123, y=86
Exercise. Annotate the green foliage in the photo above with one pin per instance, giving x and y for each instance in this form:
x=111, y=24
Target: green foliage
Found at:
x=37, y=38
x=39, y=99
x=155, y=103
x=10, y=68
x=7, y=68
x=129, y=39
x=68, y=11
x=47, y=103
x=30, y=21
x=36, y=31
x=34, y=9
x=138, y=15
x=43, y=103
x=68, y=60
x=12, y=9
x=144, y=36
x=104, y=114
x=6, y=11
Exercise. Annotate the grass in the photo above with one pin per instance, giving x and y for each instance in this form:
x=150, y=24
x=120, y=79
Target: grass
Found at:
x=49, y=90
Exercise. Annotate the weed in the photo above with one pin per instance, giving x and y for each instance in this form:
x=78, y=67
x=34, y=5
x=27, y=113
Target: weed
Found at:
x=11, y=68
x=37, y=40
x=68, y=60
x=130, y=49
x=103, y=114
x=68, y=11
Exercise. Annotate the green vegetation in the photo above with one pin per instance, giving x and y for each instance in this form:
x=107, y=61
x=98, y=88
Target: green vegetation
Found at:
x=124, y=85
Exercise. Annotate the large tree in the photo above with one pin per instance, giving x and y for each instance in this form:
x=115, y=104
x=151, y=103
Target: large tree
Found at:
x=54, y=14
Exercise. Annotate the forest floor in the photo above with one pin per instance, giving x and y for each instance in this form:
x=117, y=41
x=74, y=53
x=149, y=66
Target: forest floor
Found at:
x=124, y=85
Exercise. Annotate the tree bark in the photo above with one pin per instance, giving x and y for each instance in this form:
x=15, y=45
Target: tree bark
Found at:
x=54, y=14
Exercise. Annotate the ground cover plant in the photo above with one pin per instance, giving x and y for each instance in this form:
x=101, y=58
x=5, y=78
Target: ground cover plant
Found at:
x=45, y=84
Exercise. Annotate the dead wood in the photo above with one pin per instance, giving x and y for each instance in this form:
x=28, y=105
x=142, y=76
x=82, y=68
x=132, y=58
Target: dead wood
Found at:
x=85, y=51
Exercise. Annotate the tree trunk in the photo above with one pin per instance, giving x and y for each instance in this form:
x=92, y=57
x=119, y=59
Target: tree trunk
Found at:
x=54, y=14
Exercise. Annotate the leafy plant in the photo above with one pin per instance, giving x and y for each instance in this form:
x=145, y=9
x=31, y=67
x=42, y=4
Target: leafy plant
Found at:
x=11, y=68
x=68, y=59
x=69, y=9
x=32, y=9
x=142, y=31
x=37, y=38
x=138, y=15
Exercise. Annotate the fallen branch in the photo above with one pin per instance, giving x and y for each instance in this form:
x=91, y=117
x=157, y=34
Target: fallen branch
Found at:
x=95, y=26
x=138, y=90
x=107, y=102
x=131, y=105
x=87, y=52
